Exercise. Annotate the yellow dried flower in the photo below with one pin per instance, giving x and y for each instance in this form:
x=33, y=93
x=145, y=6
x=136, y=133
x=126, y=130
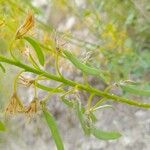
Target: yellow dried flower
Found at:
x=15, y=105
x=26, y=26
x=33, y=107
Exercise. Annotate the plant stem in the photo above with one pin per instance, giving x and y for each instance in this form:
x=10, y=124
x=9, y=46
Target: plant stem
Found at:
x=89, y=102
x=15, y=80
x=73, y=83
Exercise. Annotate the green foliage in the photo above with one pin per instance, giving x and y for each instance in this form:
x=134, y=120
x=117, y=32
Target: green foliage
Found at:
x=136, y=89
x=82, y=118
x=86, y=69
x=69, y=103
x=105, y=135
x=53, y=128
x=114, y=45
x=37, y=49
x=86, y=124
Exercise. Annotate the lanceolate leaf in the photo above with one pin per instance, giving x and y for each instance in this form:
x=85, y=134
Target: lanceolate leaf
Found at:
x=54, y=129
x=105, y=135
x=136, y=89
x=86, y=69
x=2, y=126
x=92, y=116
x=37, y=49
x=71, y=104
x=68, y=102
x=81, y=118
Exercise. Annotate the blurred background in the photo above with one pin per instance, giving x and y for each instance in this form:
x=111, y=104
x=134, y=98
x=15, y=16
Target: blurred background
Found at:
x=111, y=34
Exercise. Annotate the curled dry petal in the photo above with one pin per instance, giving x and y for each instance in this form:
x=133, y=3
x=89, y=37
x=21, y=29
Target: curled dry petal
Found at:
x=26, y=26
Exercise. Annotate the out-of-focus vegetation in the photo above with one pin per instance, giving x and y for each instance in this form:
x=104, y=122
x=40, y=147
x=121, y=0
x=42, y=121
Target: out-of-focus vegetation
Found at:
x=107, y=39
x=116, y=32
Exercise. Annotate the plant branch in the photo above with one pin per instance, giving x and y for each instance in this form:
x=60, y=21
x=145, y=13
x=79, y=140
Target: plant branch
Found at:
x=73, y=83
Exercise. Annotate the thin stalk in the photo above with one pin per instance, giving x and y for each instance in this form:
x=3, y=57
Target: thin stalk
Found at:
x=98, y=103
x=33, y=62
x=45, y=99
x=15, y=80
x=49, y=89
x=57, y=65
x=74, y=84
x=89, y=102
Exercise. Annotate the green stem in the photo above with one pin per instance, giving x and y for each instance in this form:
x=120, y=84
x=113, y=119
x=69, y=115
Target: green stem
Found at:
x=74, y=84
x=98, y=103
x=33, y=62
x=89, y=102
x=57, y=65
x=15, y=80
x=49, y=89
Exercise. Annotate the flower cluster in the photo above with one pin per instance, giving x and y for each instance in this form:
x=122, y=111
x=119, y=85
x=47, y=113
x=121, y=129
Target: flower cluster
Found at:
x=16, y=106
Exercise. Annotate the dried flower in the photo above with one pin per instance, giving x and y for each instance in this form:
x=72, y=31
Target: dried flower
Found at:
x=26, y=26
x=15, y=105
x=26, y=81
x=33, y=107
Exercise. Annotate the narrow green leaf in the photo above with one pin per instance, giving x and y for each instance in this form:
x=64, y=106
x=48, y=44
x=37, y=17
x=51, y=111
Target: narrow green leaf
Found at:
x=54, y=129
x=135, y=89
x=47, y=88
x=2, y=67
x=68, y=102
x=82, y=118
x=71, y=103
x=85, y=68
x=105, y=135
x=92, y=116
x=2, y=126
x=37, y=49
